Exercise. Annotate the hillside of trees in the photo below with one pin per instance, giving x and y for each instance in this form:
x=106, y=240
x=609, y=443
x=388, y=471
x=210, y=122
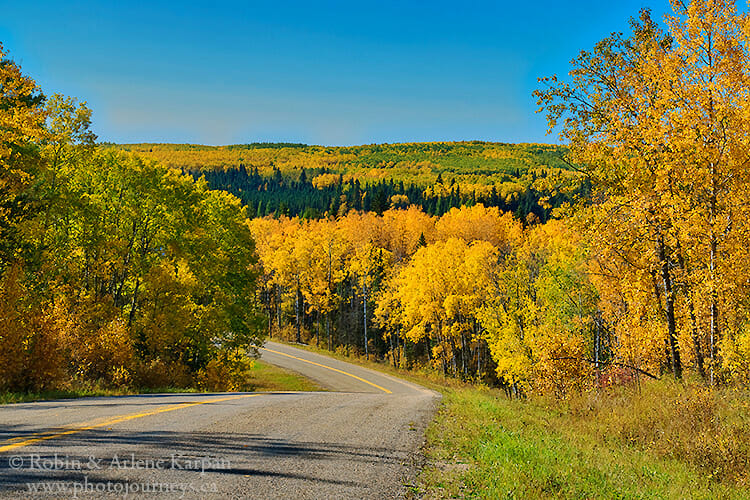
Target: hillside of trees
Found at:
x=313, y=181
x=475, y=162
x=645, y=275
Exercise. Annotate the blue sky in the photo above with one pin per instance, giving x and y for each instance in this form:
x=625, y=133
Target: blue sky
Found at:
x=333, y=73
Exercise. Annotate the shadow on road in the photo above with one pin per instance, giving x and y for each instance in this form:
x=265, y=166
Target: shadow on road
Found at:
x=236, y=453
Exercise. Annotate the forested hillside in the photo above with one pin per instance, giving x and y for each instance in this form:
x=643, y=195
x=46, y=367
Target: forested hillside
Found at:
x=643, y=275
x=315, y=181
x=417, y=163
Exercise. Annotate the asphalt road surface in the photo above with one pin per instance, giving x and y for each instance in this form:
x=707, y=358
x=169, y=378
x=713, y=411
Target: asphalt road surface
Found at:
x=360, y=440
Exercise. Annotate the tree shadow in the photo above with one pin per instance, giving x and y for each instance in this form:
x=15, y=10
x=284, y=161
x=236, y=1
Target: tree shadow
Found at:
x=67, y=458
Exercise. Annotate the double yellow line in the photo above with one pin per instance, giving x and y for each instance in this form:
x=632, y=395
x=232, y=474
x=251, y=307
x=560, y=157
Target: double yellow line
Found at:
x=27, y=440
x=329, y=368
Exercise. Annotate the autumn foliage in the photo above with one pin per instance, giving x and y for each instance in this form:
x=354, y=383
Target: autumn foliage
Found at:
x=111, y=267
x=117, y=269
x=659, y=121
x=645, y=275
x=472, y=294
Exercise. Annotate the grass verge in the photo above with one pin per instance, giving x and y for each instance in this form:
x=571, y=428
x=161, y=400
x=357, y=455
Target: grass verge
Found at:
x=267, y=378
x=484, y=445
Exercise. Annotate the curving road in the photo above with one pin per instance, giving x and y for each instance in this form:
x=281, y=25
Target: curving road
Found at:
x=361, y=440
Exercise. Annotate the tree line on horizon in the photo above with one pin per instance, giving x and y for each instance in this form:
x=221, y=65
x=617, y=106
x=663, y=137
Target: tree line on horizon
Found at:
x=315, y=181
x=323, y=194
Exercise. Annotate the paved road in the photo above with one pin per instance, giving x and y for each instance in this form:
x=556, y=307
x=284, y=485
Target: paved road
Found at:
x=358, y=441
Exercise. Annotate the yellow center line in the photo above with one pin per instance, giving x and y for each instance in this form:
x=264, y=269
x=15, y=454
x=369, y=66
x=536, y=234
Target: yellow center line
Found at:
x=115, y=420
x=328, y=367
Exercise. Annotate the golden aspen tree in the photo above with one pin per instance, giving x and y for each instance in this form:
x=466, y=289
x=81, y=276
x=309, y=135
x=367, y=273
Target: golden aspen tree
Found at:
x=609, y=111
x=401, y=229
x=263, y=231
x=367, y=264
x=709, y=67
x=657, y=122
x=477, y=223
x=321, y=250
x=436, y=295
x=538, y=315
x=277, y=239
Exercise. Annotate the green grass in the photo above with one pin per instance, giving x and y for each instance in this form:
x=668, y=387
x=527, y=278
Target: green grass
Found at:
x=269, y=378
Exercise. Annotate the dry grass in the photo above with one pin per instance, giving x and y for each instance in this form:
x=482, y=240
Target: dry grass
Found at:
x=668, y=440
x=708, y=428
x=533, y=449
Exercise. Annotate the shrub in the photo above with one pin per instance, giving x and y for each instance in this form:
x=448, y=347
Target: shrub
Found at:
x=98, y=344
x=229, y=372
x=30, y=343
x=157, y=373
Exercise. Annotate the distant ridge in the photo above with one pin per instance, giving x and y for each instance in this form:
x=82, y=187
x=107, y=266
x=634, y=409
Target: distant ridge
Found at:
x=467, y=162
x=320, y=181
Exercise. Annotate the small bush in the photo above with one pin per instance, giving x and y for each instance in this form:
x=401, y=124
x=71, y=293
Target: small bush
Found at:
x=31, y=356
x=104, y=353
x=230, y=372
x=158, y=373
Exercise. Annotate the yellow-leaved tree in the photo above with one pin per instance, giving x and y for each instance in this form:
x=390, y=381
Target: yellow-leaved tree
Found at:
x=540, y=313
x=657, y=121
x=434, y=299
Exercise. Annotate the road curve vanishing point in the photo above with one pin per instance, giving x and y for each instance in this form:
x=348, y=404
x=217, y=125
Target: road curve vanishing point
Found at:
x=361, y=440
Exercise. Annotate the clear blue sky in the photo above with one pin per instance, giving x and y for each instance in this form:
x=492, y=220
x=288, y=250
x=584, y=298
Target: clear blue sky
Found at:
x=318, y=72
